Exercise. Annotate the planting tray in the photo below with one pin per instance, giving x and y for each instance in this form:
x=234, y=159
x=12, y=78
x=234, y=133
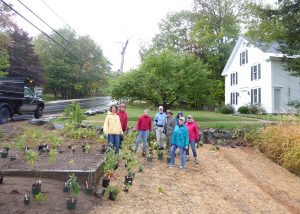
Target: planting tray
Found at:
x=67, y=162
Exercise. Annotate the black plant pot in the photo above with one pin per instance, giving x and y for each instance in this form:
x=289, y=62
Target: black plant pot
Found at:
x=26, y=148
x=13, y=158
x=41, y=147
x=36, y=189
x=126, y=189
x=1, y=179
x=3, y=154
x=105, y=182
x=71, y=203
x=26, y=200
x=66, y=189
x=6, y=148
x=69, y=147
x=111, y=197
x=89, y=191
x=128, y=180
x=61, y=151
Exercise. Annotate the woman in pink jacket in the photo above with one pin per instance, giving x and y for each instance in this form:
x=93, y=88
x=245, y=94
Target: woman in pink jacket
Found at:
x=193, y=137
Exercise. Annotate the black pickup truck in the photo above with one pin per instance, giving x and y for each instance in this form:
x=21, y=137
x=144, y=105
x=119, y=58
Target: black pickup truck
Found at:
x=16, y=98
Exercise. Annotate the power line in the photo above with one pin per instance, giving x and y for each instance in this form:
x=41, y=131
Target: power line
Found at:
x=51, y=28
x=58, y=16
x=41, y=31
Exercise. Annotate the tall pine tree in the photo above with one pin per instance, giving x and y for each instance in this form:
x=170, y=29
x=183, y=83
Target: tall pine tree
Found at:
x=22, y=59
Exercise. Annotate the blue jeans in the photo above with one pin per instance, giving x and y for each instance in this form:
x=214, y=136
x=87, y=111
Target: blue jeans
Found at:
x=114, y=140
x=142, y=136
x=193, y=146
x=182, y=157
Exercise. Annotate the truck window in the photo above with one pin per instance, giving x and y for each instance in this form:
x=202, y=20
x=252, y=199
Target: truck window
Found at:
x=27, y=93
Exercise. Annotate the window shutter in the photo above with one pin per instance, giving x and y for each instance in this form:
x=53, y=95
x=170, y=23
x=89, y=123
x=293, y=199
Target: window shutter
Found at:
x=236, y=99
x=252, y=96
x=258, y=71
x=230, y=79
x=240, y=59
x=251, y=73
x=246, y=56
x=259, y=95
x=236, y=78
x=230, y=98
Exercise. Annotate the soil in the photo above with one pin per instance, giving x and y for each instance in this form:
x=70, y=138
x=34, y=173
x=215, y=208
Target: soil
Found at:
x=231, y=180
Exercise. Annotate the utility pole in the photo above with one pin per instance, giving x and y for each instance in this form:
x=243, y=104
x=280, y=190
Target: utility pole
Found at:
x=123, y=55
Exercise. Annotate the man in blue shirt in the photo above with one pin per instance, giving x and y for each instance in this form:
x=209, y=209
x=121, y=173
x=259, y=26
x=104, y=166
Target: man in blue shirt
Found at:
x=159, y=122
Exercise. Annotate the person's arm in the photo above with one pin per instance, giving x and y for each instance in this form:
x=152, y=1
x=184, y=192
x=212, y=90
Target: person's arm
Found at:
x=155, y=119
x=138, y=125
x=150, y=124
x=105, y=126
x=186, y=138
x=197, y=132
x=173, y=138
x=126, y=120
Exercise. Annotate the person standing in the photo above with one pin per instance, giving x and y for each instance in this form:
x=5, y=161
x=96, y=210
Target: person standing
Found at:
x=180, y=114
x=193, y=137
x=169, y=128
x=143, y=127
x=123, y=119
x=180, y=139
x=159, y=121
x=112, y=127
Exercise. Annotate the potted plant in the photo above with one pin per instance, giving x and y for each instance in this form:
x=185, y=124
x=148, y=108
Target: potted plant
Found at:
x=150, y=157
x=126, y=188
x=3, y=154
x=26, y=199
x=41, y=197
x=52, y=156
x=13, y=157
x=75, y=188
x=160, y=155
x=130, y=169
x=31, y=157
x=89, y=188
x=141, y=168
x=112, y=192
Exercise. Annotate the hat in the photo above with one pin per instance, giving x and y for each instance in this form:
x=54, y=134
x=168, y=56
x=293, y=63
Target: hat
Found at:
x=182, y=118
x=169, y=111
x=160, y=107
x=146, y=111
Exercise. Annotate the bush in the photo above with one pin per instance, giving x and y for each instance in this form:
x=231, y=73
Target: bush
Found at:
x=243, y=110
x=256, y=109
x=227, y=109
x=281, y=143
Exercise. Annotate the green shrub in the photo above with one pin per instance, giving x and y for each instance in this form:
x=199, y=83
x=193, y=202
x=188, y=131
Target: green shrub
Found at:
x=74, y=113
x=243, y=110
x=227, y=109
x=256, y=109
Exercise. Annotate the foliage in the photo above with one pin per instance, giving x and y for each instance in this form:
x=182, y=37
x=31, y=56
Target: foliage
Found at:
x=22, y=59
x=41, y=197
x=20, y=143
x=70, y=76
x=114, y=190
x=74, y=186
x=227, y=109
x=74, y=113
x=79, y=133
x=281, y=143
x=131, y=167
x=256, y=109
x=55, y=140
x=277, y=24
x=31, y=157
x=52, y=155
x=163, y=78
x=110, y=159
x=243, y=110
x=87, y=148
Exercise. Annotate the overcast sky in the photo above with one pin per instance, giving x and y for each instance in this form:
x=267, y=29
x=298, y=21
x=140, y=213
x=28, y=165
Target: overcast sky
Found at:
x=108, y=22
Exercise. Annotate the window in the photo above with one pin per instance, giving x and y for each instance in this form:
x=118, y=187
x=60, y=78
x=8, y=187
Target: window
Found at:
x=27, y=93
x=234, y=98
x=234, y=78
x=255, y=72
x=256, y=96
x=244, y=57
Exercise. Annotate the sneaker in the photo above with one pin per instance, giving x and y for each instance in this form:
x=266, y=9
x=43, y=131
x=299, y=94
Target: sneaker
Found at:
x=196, y=161
x=181, y=167
x=144, y=154
x=171, y=165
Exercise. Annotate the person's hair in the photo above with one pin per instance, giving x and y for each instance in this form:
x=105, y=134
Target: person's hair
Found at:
x=110, y=108
x=122, y=104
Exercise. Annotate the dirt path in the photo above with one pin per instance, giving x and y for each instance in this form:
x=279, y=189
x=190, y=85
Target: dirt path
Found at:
x=237, y=180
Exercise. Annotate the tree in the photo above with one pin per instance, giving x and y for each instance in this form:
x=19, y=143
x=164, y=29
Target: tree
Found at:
x=164, y=78
x=76, y=75
x=23, y=61
x=279, y=23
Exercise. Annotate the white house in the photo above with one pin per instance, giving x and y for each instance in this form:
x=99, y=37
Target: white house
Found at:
x=255, y=74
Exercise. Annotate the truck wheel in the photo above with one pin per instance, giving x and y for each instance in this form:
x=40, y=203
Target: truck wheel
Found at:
x=4, y=115
x=38, y=112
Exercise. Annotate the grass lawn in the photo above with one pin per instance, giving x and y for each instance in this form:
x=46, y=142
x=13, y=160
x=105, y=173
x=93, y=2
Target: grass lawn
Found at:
x=203, y=118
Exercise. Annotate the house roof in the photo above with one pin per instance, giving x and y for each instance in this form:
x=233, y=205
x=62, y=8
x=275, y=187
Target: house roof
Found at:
x=269, y=48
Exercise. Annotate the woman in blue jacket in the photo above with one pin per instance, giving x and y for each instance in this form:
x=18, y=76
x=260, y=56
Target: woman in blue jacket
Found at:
x=180, y=139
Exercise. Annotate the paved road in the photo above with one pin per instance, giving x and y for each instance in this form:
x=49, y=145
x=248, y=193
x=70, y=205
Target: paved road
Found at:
x=59, y=106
